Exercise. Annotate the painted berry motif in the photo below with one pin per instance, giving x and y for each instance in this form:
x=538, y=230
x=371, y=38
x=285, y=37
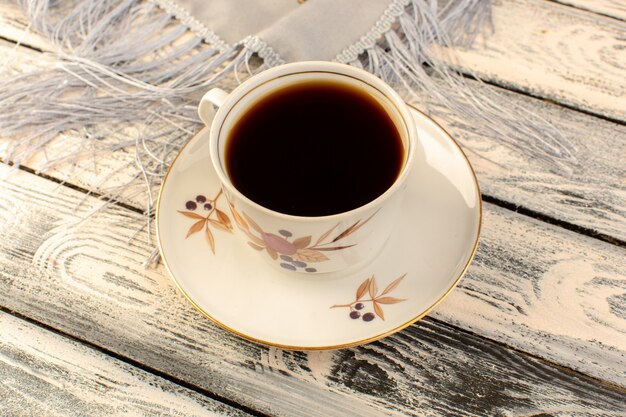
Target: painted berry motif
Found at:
x=370, y=287
x=294, y=254
x=206, y=215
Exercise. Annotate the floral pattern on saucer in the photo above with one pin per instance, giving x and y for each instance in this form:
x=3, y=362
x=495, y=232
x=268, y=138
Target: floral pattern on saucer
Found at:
x=358, y=306
x=294, y=253
x=453, y=211
x=211, y=217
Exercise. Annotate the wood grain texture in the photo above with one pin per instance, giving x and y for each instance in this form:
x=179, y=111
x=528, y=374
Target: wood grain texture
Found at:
x=86, y=280
x=556, y=52
x=613, y=8
x=44, y=374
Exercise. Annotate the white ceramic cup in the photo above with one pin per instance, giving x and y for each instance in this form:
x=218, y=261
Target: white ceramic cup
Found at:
x=322, y=244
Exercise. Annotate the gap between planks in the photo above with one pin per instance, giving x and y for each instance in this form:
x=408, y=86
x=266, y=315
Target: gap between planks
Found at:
x=530, y=93
x=134, y=363
x=43, y=369
x=553, y=221
x=75, y=187
x=615, y=9
x=562, y=367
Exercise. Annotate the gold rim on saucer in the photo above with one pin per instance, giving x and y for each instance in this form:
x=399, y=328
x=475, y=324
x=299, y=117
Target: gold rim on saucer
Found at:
x=338, y=346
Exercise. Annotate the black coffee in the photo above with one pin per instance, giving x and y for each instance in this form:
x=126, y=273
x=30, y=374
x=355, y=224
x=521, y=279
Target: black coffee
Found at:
x=314, y=149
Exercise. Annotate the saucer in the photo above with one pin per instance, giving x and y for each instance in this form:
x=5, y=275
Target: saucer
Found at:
x=430, y=248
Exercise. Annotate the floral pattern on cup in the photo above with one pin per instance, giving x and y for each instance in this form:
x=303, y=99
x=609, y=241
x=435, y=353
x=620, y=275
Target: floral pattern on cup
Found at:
x=206, y=215
x=294, y=253
x=360, y=306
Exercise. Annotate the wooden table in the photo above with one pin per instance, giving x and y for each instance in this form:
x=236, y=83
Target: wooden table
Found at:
x=537, y=326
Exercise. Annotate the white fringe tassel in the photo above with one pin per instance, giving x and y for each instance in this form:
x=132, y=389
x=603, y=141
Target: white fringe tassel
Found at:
x=402, y=57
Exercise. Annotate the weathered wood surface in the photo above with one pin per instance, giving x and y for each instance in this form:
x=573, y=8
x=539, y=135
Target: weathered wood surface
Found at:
x=522, y=285
x=613, y=8
x=538, y=288
x=566, y=55
x=593, y=196
x=44, y=374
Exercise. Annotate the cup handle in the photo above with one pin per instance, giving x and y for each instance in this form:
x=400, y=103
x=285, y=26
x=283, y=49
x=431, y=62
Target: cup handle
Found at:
x=209, y=104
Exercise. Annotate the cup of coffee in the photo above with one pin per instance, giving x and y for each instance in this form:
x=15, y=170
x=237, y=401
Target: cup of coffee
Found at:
x=313, y=158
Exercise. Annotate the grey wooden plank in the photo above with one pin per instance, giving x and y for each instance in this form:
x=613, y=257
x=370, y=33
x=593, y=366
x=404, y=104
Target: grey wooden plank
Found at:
x=613, y=8
x=87, y=281
x=552, y=51
x=44, y=374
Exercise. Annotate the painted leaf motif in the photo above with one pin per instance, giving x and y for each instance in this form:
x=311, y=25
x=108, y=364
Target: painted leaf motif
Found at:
x=302, y=242
x=238, y=219
x=209, y=238
x=253, y=223
x=378, y=302
x=345, y=232
x=361, y=224
x=271, y=252
x=196, y=227
x=258, y=241
x=256, y=247
x=191, y=215
x=326, y=234
x=378, y=310
x=335, y=248
x=360, y=292
x=373, y=288
x=389, y=300
x=393, y=285
x=356, y=226
x=223, y=217
x=309, y=255
x=219, y=225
